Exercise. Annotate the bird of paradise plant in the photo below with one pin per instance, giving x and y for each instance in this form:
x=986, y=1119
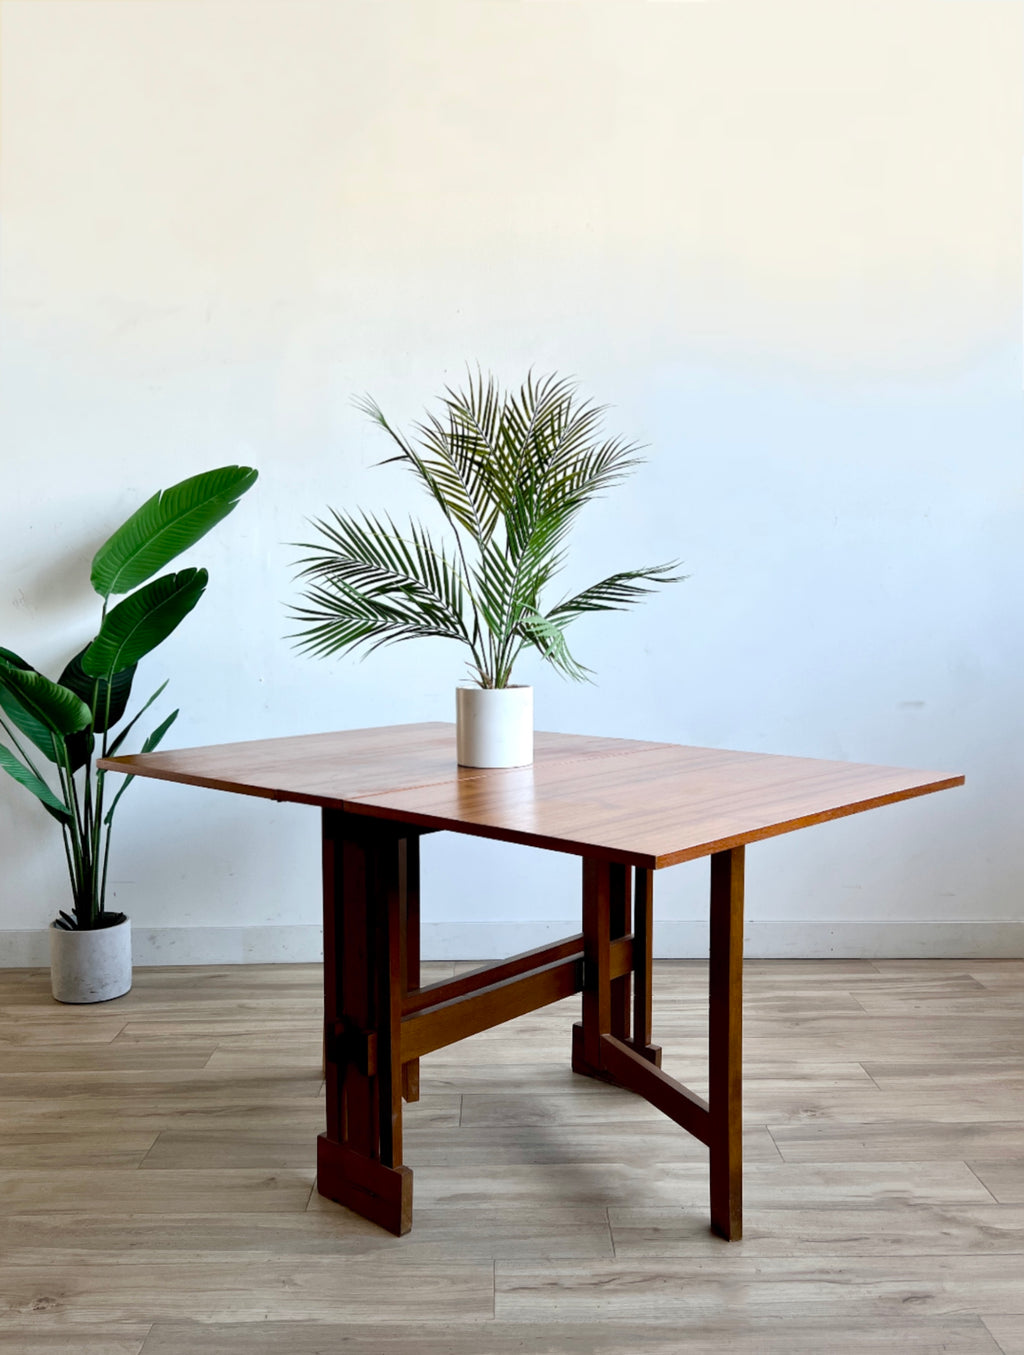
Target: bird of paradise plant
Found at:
x=58, y=730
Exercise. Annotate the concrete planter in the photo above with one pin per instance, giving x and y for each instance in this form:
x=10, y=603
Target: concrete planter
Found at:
x=494, y=726
x=92, y=966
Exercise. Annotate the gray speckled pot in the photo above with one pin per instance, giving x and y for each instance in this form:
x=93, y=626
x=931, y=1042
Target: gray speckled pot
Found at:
x=91, y=966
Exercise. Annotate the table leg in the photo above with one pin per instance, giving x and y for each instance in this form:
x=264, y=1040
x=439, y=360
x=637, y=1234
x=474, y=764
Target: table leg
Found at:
x=359, y=1158
x=725, y=1049
x=602, y=1047
x=600, y=880
x=409, y=871
x=607, y=1009
x=643, y=963
x=619, y=912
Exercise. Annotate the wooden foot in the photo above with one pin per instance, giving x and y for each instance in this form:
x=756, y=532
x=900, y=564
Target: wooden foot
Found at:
x=651, y=1053
x=580, y=1062
x=381, y=1194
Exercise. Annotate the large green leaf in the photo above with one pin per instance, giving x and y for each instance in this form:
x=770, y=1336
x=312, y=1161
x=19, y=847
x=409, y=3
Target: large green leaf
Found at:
x=96, y=691
x=35, y=784
x=16, y=661
x=142, y=621
x=40, y=708
x=165, y=525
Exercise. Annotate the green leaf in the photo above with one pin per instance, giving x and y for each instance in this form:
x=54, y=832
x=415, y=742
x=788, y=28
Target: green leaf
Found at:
x=134, y=721
x=156, y=738
x=35, y=784
x=41, y=709
x=616, y=593
x=375, y=559
x=142, y=621
x=171, y=521
x=94, y=691
x=547, y=636
x=79, y=748
x=342, y=618
x=9, y=656
x=151, y=743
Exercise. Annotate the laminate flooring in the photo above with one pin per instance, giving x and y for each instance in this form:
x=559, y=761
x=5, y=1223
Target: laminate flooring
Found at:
x=157, y=1172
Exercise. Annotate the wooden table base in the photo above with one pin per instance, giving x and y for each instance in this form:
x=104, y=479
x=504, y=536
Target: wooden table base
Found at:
x=379, y=1021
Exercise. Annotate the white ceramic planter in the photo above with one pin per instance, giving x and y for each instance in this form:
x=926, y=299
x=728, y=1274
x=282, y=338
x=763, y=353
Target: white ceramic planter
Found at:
x=91, y=966
x=494, y=726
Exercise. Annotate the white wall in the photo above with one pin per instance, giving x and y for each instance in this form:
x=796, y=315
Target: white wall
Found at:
x=781, y=239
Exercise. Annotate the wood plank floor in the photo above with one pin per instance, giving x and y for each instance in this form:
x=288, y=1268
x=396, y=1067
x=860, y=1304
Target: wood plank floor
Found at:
x=156, y=1176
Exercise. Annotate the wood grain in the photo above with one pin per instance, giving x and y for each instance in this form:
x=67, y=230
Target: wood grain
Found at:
x=332, y=768
x=702, y=1336
x=878, y=1229
x=653, y=808
x=126, y=1339
x=375, y=1288
x=857, y=1288
x=646, y=804
x=573, y=1140
x=1003, y=1177
x=824, y=1186
x=882, y=1232
x=1008, y=1331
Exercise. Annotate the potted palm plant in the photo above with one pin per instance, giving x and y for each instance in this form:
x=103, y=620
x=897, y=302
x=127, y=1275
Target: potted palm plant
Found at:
x=509, y=473
x=58, y=730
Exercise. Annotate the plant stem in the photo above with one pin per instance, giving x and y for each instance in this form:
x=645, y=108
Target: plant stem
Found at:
x=106, y=858
x=98, y=840
x=67, y=853
x=70, y=793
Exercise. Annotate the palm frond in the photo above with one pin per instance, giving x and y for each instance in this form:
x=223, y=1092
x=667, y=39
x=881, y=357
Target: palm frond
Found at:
x=372, y=585
x=591, y=470
x=460, y=465
x=367, y=553
x=406, y=454
x=549, y=638
x=616, y=593
x=341, y=618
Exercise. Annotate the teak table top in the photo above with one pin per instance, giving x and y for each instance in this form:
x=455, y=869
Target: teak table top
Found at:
x=647, y=804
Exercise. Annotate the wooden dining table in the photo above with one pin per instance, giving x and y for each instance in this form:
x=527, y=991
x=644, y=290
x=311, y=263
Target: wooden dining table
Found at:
x=627, y=808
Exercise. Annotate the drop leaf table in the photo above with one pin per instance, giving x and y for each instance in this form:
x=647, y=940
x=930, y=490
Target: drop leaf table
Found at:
x=627, y=809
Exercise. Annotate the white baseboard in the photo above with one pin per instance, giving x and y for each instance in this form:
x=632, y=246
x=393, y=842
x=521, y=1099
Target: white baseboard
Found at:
x=485, y=940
